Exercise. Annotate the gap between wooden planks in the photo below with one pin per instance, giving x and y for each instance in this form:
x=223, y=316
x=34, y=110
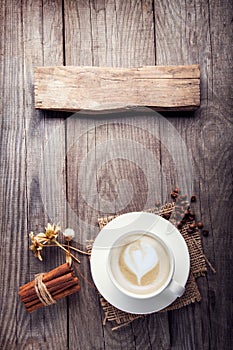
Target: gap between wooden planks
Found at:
x=70, y=88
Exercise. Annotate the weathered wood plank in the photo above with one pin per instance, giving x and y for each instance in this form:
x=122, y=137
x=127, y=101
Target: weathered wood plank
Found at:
x=195, y=32
x=99, y=88
x=119, y=34
x=179, y=25
x=29, y=37
x=42, y=44
x=12, y=178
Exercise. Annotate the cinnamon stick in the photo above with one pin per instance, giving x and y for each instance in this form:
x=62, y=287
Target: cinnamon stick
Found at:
x=59, y=283
x=58, y=271
x=51, y=285
x=63, y=287
x=58, y=296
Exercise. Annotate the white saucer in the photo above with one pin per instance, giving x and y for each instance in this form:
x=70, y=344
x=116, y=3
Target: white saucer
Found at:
x=131, y=222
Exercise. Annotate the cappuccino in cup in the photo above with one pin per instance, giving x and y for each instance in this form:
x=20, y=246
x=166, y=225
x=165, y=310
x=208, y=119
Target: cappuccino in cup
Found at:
x=140, y=264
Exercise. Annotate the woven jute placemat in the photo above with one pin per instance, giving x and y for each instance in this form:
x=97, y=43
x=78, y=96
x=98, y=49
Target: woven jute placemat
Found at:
x=197, y=268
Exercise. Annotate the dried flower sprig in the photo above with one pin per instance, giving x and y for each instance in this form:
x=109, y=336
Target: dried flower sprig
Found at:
x=49, y=238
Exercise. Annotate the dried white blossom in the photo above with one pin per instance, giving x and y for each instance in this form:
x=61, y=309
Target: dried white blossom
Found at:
x=69, y=234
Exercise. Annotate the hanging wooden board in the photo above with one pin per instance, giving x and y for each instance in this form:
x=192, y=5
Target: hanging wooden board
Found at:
x=70, y=88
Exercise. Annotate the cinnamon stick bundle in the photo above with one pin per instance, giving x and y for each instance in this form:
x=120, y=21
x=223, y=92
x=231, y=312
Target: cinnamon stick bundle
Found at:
x=47, y=288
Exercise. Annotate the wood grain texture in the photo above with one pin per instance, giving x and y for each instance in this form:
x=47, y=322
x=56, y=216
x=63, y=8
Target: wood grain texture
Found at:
x=42, y=45
x=30, y=37
x=74, y=168
x=100, y=88
x=195, y=33
x=13, y=179
x=120, y=34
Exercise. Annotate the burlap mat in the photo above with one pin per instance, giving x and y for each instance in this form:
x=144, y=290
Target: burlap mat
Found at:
x=191, y=294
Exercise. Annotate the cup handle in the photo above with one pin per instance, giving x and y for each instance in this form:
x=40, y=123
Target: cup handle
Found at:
x=175, y=288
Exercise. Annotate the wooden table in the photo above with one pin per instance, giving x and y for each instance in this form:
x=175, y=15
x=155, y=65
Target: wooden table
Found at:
x=36, y=144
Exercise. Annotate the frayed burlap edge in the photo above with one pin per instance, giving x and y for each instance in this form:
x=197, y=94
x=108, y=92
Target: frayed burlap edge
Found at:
x=197, y=268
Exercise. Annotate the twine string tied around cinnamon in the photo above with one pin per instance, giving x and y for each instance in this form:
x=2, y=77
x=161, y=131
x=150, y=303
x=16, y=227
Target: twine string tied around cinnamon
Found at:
x=42, y=291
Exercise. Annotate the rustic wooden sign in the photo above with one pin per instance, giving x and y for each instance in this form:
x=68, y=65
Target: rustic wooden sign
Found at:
x=70, y=88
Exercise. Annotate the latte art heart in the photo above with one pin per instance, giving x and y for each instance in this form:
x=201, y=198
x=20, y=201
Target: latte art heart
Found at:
x=140, y=258
x=140, y=263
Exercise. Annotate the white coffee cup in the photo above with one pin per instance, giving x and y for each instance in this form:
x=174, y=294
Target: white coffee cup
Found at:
x=141, y=265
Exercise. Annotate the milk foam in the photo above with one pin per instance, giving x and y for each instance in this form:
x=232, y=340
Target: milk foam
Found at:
x=140, y=258
x=140, y=263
